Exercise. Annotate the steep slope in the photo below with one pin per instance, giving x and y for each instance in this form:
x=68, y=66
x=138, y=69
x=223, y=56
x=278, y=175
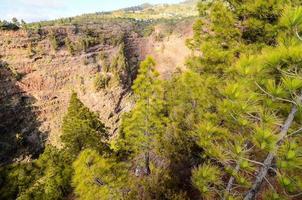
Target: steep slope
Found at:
x=19, y=134
x=49, y=68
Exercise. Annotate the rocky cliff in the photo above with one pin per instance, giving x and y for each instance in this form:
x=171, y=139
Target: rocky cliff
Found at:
x=40, y=68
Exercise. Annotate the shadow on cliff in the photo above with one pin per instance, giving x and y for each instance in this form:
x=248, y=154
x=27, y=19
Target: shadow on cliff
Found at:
x=20, y=138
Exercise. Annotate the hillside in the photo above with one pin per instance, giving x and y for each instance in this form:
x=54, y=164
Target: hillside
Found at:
x=47, y=71
x=154, y=102
x=142, y=14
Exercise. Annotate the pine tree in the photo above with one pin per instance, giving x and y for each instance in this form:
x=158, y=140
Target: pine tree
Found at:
x=256, y=102
x=82, y=129
x=144, y=125
x=96, y=177
x=48, y=177
x=53, y=174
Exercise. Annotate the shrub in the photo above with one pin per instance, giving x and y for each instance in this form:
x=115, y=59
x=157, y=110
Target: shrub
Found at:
x=70, y=46
x=31, y=51
x=101, y=81
x=5, y=25
x=148, y=31
x=84, y=42
x=54, y=41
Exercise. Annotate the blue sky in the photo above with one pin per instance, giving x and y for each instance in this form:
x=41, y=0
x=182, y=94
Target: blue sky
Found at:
x=36, y=10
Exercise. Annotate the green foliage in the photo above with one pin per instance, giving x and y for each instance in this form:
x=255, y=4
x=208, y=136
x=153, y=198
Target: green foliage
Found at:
x=89, y=39
x=101, y=81
x=70, y=46
x=14, y=179
x=45, y=178
x=115, y=40
x=96, y=177
x=84, y=42
x=205, y=177
x=292, y=18
x=54, y=41
x=54, y=181
x=120, y=67
x=160, y=185
x=265, y=139
x=144, y=124
x=255, y=83
x=272, y=195
x=205, y=133
x=148, y=31
x=5, y=25
x=31, y=50
x=82, y=129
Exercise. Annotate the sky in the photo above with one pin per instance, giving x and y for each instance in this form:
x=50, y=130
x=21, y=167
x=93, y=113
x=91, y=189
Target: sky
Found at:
x=37, y=10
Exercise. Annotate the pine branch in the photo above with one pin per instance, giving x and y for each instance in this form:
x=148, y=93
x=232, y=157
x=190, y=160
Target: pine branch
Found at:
x=231, y=182
x=295, y=132
x=232, y=178
x=251, y=194
x=273, y=97
x=297, y=34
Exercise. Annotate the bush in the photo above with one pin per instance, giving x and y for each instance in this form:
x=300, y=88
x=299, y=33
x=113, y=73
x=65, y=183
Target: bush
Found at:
x=70, y=46
x=54, y=41
x=31, y=51
x=148, y=31
x=84, y=43
x=88, y=41
x=101, y=81
x=5, y=25
x=104, y=58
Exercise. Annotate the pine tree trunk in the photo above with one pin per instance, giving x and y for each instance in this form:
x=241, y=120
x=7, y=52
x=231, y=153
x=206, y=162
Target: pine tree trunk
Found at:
x=147, y=164
x=251, y=194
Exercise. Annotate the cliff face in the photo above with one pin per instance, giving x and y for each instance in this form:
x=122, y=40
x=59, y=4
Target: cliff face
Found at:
x=99, y=62
x=19, y=135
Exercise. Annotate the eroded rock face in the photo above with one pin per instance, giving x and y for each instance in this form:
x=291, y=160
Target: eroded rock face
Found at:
x=47, y=77
x=50, y=76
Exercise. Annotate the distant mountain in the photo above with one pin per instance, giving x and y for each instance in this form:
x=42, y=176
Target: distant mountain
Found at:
x=138, y=8
x=158, y=11
x=144, y=12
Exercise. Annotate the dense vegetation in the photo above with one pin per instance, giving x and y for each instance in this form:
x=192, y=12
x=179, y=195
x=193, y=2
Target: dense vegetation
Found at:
x=227, y=128
x=14, y=25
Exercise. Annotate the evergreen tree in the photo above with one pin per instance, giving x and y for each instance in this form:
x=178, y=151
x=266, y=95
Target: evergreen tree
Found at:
x=54, y=42
x=45, y=178
x=54, y=171
x=143, y=126
x=256, y=100
x=82, y=129
x=96, y=177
